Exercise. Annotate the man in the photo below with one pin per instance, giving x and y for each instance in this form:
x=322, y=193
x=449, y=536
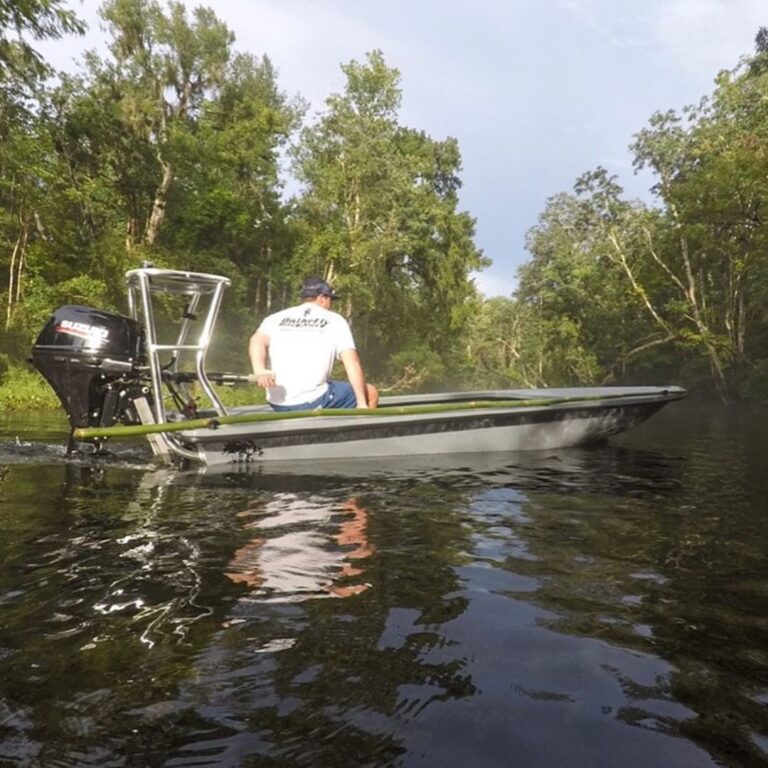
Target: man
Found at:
x=302, y=344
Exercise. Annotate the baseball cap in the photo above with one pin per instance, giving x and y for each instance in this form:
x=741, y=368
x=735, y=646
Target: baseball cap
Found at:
x=316, y=286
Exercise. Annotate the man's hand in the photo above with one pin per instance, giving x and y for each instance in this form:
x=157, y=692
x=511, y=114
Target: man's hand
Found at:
x=263, y=378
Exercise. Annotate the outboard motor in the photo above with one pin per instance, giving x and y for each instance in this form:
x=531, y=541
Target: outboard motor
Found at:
x=93, y=360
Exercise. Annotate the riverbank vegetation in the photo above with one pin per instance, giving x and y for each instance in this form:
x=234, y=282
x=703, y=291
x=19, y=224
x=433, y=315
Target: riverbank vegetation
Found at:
x=174, y=149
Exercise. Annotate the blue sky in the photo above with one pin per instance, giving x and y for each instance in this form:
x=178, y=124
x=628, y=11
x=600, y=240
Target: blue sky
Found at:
x=535, y=91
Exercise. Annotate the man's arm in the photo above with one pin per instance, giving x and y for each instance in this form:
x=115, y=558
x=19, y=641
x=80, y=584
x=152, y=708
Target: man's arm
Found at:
x=354, y=369
x=258, y=346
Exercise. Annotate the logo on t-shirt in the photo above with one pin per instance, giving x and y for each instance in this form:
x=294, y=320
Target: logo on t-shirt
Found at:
x=307, y=321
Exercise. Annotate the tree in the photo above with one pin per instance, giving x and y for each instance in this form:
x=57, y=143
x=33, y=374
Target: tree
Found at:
x=171, y=128
x=20, y=63
x=579, y=306
x=229, y=199
x=379, y=216
x=163, y=67
x=712, y=183
x=689, y=274
x=23, y=151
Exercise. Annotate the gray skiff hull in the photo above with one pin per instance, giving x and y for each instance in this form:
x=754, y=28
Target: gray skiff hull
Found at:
x=544, y=419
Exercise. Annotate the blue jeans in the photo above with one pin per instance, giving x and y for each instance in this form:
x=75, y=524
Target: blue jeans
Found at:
x=338, y=395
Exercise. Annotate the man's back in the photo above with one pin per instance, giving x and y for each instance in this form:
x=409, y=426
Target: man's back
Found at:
x=305, y=341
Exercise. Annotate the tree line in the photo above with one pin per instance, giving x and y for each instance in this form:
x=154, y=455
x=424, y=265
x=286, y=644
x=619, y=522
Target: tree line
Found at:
x=675, y=289
x=173, y=148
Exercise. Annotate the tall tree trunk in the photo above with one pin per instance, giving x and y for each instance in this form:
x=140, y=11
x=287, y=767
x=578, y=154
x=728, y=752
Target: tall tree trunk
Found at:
x=16, y=271
x=267, y=259
x=158, y=206
x=695, y=301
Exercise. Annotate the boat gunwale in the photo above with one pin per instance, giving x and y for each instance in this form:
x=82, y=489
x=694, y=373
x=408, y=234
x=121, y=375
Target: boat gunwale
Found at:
x=328, y=423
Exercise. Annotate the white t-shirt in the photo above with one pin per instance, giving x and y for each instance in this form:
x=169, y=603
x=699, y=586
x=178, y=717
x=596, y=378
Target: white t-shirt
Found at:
x=304, y=343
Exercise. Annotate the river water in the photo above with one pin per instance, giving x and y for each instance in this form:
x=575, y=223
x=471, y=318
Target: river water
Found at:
x=595, y=607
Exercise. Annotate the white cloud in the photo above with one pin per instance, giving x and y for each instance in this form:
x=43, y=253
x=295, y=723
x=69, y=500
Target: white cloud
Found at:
x=492, y=284
x=705, y=36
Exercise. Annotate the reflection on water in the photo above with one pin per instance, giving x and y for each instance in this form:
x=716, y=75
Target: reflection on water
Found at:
x=289, y=559
x=577, y=608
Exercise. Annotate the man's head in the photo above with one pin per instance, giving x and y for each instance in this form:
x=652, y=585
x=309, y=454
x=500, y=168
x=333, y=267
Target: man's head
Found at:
x=314, y=288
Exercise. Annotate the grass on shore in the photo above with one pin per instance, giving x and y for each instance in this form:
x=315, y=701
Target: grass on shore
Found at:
x=23, y=389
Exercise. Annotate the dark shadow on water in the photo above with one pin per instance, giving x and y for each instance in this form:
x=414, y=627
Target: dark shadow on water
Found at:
x=597, y=469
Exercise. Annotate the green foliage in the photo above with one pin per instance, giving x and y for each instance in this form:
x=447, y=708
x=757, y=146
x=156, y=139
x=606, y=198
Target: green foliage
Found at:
x=415, y=369
x=20, y=63
x=380, y=218
x=166, y=151
x=515, y=343
x=636, y=288
x=24, y=389
x=169, y=149
x=241, y=395
x=42, y=298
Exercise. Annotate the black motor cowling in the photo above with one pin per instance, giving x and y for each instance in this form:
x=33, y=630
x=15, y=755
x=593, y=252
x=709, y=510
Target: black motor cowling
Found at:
x=94, y=362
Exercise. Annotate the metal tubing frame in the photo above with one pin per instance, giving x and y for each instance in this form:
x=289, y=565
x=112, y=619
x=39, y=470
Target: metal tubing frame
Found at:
x=191, y=284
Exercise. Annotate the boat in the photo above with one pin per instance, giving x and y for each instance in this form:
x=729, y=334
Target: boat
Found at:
x=128, y=375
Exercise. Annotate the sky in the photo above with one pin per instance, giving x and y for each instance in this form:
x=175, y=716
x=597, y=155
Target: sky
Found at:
x=536, y=92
